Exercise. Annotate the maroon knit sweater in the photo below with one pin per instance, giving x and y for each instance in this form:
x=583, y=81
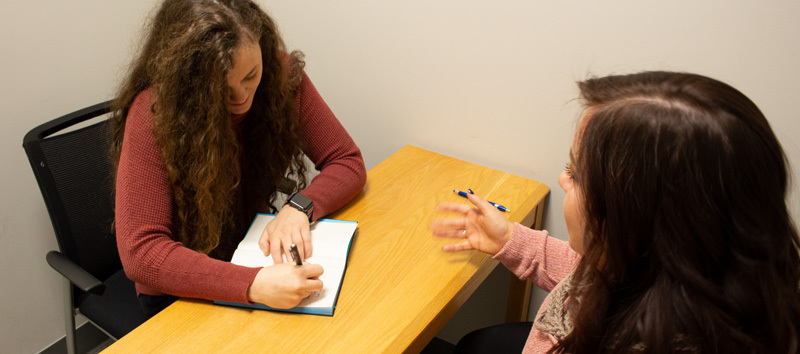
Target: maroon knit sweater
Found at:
x=144, y=206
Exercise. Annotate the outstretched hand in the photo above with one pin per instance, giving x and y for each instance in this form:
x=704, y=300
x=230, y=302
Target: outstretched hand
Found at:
x=482, y=227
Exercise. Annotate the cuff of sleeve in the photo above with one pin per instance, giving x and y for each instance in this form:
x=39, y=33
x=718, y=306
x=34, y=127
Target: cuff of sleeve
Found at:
x=513, y=252
x=247, y=278
x=511, y=249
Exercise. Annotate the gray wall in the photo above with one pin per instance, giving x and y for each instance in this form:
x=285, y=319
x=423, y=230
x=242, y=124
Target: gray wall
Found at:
x=491, y=82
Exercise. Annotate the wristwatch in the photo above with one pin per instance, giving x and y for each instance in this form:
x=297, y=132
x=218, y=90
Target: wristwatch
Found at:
x=302, y=203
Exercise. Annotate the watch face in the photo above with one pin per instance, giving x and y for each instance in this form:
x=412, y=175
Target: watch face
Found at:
x=301, y=202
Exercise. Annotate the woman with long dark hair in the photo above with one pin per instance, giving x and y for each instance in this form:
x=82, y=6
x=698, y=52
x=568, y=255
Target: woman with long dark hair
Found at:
x=212, y=118
x=679, y=235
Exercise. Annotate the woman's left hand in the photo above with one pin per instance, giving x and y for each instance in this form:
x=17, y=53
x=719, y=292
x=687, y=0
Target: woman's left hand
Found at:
x=288, y=227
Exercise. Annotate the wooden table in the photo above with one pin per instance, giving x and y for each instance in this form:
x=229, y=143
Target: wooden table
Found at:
x=399, y=288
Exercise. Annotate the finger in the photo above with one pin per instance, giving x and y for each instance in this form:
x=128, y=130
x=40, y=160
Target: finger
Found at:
x=306, y=234
x=455, y=247
x=276, y=250
x=314, y=285
x=457, y=233
x=263, y=242
x=479, y=202
x=451, y=223
x=454, y=207
x=311, y=270
x=265, y=247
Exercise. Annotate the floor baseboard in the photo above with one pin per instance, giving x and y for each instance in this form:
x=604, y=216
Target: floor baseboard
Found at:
x=89, y=339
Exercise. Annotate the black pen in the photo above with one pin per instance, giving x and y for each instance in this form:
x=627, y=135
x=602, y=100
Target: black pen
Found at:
x=295, y=254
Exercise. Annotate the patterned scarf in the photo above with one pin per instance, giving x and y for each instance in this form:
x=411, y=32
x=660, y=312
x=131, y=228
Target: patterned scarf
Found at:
x=554, y=319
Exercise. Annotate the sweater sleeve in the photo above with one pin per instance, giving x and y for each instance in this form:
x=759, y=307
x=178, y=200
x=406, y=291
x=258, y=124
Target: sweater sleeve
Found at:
x=144, y=207
x=534, y=255
x=332, y=150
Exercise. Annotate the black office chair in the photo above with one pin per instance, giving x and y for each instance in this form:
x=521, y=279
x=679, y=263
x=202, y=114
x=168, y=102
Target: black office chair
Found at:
x=73, y=171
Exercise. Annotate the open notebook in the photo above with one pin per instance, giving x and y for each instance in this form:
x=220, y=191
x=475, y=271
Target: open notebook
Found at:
x=330, y=241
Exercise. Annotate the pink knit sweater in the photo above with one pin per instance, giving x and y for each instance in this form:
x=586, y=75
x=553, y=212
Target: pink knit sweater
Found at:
x=546, y=261
x=144, y=205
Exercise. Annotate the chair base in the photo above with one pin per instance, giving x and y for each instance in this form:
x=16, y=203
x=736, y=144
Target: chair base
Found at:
x=90, y=339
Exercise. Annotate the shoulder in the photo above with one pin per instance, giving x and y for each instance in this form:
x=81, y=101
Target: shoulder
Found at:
x=140, y=114
x=141, y=110
x=143, y=101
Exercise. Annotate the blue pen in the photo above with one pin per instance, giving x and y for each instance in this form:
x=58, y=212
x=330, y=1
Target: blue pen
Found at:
x=498, y=206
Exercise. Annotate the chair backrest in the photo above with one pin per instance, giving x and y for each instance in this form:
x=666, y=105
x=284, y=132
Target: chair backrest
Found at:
x=74, y=173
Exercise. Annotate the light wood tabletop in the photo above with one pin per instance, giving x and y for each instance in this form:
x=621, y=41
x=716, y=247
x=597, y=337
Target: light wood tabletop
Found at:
x=399, y=288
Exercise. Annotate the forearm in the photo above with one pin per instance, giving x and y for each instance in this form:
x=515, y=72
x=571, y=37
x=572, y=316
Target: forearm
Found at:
x=154, y=260
x=534, y=255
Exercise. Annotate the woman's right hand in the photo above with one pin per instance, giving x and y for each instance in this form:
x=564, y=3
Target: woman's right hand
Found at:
x=485, y=228
x=284, y=285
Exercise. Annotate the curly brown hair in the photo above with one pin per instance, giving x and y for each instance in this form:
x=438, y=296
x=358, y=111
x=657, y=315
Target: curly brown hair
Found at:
x=217, y=185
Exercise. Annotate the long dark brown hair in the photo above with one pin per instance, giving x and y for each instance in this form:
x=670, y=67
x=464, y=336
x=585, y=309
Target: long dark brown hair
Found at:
x=689, y=246
x=185, y=59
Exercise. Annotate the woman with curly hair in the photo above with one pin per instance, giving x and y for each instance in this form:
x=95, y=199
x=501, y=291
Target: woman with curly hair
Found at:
x=212, y=119
x=679, y=235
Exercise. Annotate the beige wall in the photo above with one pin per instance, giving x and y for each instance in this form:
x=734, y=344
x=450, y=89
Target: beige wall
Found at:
x=490, y=82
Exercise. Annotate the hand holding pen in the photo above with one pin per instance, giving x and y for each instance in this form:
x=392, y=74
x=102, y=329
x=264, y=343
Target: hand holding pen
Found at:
x=498, y=206
x=284, y=285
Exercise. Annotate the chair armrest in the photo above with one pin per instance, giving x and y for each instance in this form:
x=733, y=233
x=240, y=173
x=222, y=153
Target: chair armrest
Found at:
x=75, y=274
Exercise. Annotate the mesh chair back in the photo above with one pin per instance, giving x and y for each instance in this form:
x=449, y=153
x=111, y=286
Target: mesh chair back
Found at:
x=73, y=171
